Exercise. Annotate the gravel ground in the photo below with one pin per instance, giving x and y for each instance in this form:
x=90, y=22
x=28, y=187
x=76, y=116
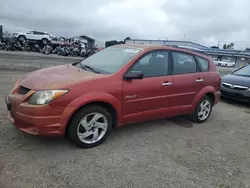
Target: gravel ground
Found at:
x=163, y=153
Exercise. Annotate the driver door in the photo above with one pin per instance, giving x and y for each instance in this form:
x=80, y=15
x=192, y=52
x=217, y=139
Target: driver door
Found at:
x=145, y=99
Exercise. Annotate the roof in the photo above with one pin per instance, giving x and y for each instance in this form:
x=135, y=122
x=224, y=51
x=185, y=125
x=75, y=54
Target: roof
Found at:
x=171, y=43
x=193, y=45
x=148, y=47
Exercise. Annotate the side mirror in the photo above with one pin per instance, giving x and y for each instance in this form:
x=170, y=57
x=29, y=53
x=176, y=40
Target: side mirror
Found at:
x=133, y=75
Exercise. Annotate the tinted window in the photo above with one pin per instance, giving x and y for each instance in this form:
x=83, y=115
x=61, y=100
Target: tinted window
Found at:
x=36, y=33
x=153, y=64
x=245, y=71
x=203, y=63
x=183, y=63
x=111, y=59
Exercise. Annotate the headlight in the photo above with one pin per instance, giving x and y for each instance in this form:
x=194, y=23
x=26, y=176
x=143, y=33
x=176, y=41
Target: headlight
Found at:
x=44, y=97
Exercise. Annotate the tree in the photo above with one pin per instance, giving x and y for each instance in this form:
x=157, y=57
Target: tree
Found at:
x=228, y=46
x=127, y=38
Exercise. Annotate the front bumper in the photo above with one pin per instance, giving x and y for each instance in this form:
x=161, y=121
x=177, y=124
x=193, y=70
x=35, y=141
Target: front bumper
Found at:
x=37, y=120
x=239, y=95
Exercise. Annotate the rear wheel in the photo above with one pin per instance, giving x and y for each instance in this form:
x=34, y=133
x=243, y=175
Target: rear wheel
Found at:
x=22, y=38
x=202, y=110
x=90, y=126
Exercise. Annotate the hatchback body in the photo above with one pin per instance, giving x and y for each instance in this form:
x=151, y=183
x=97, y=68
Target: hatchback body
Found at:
x=118, y=85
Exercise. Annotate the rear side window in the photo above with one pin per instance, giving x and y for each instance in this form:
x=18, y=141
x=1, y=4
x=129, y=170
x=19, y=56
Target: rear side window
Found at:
x=203, y=63
x=184, y=63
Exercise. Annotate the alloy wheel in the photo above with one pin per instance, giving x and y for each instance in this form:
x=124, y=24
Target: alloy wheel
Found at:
x=92, y=128
x=204, y=110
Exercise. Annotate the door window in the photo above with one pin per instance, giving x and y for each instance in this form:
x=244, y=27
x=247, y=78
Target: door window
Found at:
x=184, y=63
x=152, y=64
x=203, y=63
x=37, y=33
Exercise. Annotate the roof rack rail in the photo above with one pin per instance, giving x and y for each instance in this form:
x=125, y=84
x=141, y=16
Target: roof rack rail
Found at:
x=190, y=48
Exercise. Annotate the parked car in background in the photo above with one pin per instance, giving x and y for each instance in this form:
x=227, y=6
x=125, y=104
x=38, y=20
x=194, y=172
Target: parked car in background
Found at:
x=225, y=63
x=34, y=36
x=5, y=37
x=237, y=85
x=118, y=85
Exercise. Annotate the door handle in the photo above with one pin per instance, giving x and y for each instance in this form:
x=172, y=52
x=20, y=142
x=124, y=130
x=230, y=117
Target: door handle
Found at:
x=199, y=80
x=166, y=83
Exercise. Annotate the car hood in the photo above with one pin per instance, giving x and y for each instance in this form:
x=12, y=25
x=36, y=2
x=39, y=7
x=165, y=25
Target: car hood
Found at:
x=237, y=80
x=57, y=77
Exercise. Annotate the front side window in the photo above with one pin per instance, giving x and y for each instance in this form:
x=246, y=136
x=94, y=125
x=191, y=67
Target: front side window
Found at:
x=245, y=71
x=153, y=64
x=184, y=63
x=203, y=63
x=111, y=59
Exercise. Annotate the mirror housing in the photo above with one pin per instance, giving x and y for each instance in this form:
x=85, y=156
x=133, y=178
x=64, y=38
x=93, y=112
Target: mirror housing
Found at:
x=133, y=75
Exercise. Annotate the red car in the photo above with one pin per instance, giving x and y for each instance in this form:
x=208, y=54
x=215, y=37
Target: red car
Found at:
x=118, y=85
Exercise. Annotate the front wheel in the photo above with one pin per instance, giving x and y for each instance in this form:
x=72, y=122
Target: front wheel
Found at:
x=90, y=126
x=202, y=110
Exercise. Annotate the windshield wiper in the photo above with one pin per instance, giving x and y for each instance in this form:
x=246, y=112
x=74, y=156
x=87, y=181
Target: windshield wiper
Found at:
x=89, y=67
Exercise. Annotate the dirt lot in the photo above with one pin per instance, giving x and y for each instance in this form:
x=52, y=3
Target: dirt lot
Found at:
x=163, y=153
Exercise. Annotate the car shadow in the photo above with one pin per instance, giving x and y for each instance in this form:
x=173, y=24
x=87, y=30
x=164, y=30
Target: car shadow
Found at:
x=235, y=102
x=149, y=125
x=30, y=143
x=182, y=121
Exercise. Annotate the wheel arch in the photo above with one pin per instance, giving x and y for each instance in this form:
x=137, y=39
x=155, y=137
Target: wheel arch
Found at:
x=21, y=35
x=212, y=97
x=209, y=91
x=108, y=102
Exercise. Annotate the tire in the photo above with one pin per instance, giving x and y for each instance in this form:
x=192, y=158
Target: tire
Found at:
x=89, y=137
x=195, y=117
x=75, y=54
x=45, y=41
x=21, y=38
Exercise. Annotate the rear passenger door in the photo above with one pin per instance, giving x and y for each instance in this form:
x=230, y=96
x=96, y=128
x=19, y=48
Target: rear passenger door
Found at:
x=187, y=79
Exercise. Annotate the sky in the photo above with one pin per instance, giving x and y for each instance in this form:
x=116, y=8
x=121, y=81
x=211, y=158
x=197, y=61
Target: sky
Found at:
x=208, y=22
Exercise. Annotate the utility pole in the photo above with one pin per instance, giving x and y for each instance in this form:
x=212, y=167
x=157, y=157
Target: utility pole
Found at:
x=1, y=32
x=185, y=36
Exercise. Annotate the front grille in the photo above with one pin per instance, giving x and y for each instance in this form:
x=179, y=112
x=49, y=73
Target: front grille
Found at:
x=234, y=87
x=23, y=90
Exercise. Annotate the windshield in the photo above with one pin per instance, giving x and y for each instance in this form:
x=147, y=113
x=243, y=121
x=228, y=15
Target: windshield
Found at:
x=109, y=60
x=245, y=71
